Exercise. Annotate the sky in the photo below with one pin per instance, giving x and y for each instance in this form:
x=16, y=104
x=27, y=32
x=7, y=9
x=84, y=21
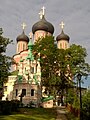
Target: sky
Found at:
x=74, y=13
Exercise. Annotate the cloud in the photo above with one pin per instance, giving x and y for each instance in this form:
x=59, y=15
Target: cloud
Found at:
x=75, y=14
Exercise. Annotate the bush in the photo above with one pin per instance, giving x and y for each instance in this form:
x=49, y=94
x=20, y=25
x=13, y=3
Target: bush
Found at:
x=15, y=105
x=7, y=107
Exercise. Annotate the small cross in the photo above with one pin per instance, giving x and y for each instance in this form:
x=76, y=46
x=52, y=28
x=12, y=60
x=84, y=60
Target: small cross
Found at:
x=62, y=24
x=30, y=35
x=43, y=10
x=23, y=25
x=41, y=14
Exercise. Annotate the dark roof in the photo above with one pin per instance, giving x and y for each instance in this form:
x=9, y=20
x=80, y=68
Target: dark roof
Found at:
x=62, y=36
x=43, y=25
x=22, y=37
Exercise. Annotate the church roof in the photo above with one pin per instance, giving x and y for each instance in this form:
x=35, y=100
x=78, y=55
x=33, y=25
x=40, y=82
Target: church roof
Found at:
x=22, y=37
x=43, y=24
x=62, y=36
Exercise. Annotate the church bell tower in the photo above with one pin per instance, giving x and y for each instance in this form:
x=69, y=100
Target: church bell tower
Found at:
x=62, y=39
x=22, y=41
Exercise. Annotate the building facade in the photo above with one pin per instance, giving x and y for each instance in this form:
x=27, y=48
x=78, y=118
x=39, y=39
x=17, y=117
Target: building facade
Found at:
x=25, y=85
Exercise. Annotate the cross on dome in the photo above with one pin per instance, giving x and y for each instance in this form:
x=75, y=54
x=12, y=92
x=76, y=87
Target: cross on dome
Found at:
x=23, y=25
x=62, y=24
x=43, y=10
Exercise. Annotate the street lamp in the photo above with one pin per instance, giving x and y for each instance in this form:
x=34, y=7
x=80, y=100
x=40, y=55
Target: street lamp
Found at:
x=79, y=79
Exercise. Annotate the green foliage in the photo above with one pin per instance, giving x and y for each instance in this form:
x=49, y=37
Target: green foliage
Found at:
x=76, y=103
x=5, y=61
x=48, y=54
x=77, y=55
x=59, y=66
x=86, y=104
x=70, y=96
x=86, y=100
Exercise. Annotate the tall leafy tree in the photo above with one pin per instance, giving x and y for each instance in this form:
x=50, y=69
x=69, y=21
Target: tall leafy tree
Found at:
x=59, y=66
x=48, y=52
x=5, y=61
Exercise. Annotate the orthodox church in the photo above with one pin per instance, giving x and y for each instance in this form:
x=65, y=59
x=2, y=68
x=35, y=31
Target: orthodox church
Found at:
x=25, y=82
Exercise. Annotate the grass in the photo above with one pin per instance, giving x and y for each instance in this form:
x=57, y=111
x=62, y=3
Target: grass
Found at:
x=31, y=114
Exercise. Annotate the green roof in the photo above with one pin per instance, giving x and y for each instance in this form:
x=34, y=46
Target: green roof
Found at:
x=45, y=99
x=14, y=73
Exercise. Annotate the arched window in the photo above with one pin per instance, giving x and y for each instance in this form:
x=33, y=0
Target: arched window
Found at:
x=23, y=46
x=32, y=70
x=65, y=45
x=24, y=92
x=32, y=92
x=60, y=45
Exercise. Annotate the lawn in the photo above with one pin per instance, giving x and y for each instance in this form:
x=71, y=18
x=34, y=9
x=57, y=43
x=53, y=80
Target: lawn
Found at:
x=31, y=114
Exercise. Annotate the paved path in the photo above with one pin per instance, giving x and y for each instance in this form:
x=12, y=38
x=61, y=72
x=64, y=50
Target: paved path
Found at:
x=61, y=113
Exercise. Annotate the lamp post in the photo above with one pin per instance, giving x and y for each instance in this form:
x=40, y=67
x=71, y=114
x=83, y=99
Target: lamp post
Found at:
x=79, y=79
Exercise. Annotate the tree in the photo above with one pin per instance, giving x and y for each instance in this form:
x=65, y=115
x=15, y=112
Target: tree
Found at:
x=59, y=66
x=5, y=61
x=48, y=52
x=77, y=60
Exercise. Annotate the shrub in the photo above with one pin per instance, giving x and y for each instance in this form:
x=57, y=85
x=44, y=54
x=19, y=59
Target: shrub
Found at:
x=7, y=107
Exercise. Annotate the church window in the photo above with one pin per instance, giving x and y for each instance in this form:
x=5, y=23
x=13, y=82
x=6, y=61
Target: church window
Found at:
x=32, y=70
x=16, y=92
x=32, y=92
x=65, y=45
x=24, y=92
x=23, y=46
x=60, y=45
